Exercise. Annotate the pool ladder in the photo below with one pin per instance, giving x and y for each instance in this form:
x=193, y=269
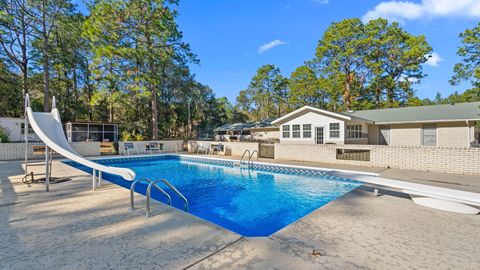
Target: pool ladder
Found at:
x=153, y=184
x=249, y=161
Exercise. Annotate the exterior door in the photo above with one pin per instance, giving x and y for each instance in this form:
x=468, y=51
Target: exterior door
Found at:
x=384, y=135
x=319, y=135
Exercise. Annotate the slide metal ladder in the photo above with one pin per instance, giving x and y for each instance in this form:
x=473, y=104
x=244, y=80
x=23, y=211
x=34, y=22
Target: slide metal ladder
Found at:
x=151, y=185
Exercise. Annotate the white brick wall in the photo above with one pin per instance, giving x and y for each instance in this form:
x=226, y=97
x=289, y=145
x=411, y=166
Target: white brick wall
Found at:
x=16, y=151
x=231, y=148
x=168, y=146
x=422, y=158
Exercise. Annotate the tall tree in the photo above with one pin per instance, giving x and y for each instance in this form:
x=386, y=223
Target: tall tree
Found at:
x=16, y=35
x=305, y=88
x=267, y=91
x=46, y=15
x=340, y=53
x=469, y=68
x=139, y=38
x=394, y=59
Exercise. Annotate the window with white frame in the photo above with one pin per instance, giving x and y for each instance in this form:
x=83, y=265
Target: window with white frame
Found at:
x=295, y=131
x=429, y=135
x=334, y=130
x=307, y=130
x=286, y=131
x=354, y=131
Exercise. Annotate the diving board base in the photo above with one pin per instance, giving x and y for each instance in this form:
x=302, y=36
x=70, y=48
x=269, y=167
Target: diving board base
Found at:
x=445, y=205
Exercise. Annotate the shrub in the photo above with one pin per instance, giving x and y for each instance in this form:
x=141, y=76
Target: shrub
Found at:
x=126, y=136
x=138, y=137
x=4, y=135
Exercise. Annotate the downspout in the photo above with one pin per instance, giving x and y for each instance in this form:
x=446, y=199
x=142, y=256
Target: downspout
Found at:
x=469, y=135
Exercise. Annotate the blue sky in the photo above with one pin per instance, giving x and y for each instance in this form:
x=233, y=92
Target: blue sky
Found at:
x=228, y=36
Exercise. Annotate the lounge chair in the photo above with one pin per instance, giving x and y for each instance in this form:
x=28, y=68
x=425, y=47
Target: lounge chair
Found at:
x=152, y=147
x=217, y=148
x=205, y=148
x=129, y=148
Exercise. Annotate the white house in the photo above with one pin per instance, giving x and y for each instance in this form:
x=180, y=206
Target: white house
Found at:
x=15, y=126
x=450, y=125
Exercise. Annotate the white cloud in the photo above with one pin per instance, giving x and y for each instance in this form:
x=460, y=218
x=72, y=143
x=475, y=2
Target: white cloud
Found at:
x=404, y=10
x=433, y=60
x=272, y=44
x=322, y=2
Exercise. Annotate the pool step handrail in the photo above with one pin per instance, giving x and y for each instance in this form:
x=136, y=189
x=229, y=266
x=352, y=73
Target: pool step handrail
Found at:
x=248, y=156
x=132, y=191
x=154, y=183
x=148, y=195
x=149, y=190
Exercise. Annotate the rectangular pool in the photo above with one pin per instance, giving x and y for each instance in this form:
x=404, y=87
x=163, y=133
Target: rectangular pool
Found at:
x=251, y=202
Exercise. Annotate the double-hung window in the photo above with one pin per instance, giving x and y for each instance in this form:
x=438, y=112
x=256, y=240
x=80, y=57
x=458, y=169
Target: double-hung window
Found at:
x=285, y=131
x=334, y=130
x=354, y=131
x=295, y=131
x=307, y=130
x=429, y=135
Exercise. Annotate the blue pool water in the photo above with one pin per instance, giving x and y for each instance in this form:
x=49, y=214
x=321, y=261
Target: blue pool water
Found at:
x=256, y=202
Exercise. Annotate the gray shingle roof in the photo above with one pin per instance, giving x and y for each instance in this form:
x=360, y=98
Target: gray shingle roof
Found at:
x=246, y=126
x=433, y=113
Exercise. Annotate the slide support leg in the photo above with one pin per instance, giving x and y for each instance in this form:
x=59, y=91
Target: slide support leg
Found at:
x=47, y=169
x=94, y=184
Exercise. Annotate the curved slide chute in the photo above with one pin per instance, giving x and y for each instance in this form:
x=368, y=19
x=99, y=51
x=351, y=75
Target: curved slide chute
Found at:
x=49, y=129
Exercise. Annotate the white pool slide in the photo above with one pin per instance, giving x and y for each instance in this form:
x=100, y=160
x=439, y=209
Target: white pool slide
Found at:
x=48, y=127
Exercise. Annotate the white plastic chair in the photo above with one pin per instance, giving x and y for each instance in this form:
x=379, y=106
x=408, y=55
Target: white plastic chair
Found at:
x=129, y=147
x=203, y=147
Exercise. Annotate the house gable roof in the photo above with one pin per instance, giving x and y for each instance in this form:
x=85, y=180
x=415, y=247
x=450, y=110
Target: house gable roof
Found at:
x=422, y=114
x=306, y=109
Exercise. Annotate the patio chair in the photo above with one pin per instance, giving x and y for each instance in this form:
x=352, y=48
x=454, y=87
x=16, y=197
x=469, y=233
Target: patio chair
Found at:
x=205, y=148
x=217, y=148
x=154, y=146
x=129, y=147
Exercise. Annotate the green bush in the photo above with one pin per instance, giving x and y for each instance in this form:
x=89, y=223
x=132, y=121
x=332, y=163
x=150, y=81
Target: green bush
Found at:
x=126, y=136
x=4, y=135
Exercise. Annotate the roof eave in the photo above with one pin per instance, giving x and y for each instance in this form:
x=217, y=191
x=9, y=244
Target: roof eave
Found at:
x=305, y=108
x=426, y=121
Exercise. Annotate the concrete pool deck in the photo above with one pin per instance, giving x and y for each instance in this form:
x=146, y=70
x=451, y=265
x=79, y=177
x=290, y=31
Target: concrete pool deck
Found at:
x=72, y=227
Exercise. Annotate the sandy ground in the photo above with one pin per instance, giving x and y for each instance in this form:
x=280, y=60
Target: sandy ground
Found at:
x=72, y=227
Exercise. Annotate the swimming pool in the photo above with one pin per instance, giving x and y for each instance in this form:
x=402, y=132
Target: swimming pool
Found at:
x=251, y=202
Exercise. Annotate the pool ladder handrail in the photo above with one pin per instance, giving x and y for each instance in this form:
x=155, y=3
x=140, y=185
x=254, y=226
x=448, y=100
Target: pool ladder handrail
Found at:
x=148, y=193
x=153, y=183
x=248, y=156
x=132, y=192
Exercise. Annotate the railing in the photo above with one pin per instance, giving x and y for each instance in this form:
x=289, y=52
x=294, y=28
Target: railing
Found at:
x=153, y=184
x=241, y=159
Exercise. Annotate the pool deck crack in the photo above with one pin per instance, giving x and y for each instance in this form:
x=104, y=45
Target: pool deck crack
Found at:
x=210, y=255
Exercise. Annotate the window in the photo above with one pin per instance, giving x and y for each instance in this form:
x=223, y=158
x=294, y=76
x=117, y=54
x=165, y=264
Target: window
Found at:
x=429, y=135
x=307, y=131
x=295, y=131
x=286, y=131
x=334, y=130
x=354, y=131
x=22, y=129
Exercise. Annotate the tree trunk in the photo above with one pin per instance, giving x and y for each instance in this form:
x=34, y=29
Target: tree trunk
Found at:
x=153, y=92
x=75, y=95
x=46, y=66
